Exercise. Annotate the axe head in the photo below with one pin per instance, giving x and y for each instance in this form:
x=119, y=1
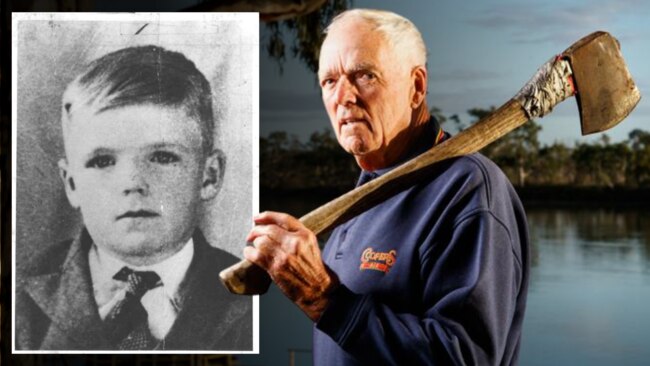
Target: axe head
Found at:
x=606, y=93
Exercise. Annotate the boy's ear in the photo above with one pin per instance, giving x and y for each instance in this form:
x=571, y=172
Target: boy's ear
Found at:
x=215, y=166
x=68, y=183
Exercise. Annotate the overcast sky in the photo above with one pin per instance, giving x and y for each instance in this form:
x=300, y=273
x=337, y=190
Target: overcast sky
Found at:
x=479, y=55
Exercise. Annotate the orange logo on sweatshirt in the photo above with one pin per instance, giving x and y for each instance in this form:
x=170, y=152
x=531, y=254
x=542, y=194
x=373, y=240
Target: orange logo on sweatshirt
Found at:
x=377, y=261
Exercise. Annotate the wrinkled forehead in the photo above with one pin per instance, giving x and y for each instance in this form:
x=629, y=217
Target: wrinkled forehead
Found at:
x=353, y=42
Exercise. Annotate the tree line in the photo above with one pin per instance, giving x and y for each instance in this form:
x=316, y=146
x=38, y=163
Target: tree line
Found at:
x=319, y=163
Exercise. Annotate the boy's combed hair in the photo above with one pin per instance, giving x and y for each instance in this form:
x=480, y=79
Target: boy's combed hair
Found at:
x=142, y=75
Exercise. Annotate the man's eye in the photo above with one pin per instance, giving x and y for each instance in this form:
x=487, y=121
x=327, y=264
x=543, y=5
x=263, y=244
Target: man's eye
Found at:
x=100, y=162
x=366, y=77
x=327, y=82
x=164, y=157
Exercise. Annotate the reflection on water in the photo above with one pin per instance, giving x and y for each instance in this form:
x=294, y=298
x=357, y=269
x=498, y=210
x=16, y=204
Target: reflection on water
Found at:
x=589, y=288
x=588, y=302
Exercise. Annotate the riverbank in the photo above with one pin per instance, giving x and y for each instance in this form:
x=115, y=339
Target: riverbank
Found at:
x=300, y=201
x=567, y=196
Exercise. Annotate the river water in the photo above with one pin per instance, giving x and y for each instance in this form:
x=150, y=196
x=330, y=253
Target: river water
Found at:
x=588, y=303
x=589, y=296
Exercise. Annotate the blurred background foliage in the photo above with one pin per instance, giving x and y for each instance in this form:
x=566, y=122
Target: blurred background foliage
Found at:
x=288, y=164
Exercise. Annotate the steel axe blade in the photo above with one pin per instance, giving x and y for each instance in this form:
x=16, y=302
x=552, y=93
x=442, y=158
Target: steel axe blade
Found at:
x=606, y=92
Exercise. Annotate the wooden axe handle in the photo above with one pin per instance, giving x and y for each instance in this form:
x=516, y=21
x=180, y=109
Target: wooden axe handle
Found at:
x=611, y=97
x=245, y=278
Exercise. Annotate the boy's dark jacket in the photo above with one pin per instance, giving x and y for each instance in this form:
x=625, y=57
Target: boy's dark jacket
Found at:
x=56, y=309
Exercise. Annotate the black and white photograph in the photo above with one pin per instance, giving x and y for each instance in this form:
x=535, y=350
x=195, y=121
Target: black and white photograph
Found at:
x=135, y=175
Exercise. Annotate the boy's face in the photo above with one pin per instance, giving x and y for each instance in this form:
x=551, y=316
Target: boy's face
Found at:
x=138, y=174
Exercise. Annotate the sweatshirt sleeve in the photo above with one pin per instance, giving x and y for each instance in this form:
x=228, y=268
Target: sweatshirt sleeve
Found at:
x=470, y=286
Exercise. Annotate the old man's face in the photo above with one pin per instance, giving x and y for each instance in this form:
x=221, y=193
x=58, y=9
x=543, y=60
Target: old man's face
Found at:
x=366, y=88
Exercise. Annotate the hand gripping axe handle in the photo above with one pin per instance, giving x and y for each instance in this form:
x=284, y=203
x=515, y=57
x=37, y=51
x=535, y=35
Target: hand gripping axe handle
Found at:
x=592, y=69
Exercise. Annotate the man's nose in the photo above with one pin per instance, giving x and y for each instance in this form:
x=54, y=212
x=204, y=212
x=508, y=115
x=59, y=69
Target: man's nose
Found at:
x=345, y=92
x=134, y=180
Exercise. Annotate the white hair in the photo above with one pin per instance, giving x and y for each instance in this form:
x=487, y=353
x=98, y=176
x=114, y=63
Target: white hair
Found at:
x=400, y=32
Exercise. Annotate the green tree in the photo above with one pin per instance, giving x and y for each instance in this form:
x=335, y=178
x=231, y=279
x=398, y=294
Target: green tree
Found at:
x=616, y=159
x=330, y=165
x=554, y=166
x=601, y=164
x=516, y=153
x=287, y=164
x=277, y=151
x=305, y=32
x=639, y=142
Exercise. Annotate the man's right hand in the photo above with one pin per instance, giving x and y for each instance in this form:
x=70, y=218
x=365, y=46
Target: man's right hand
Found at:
x=289, y=252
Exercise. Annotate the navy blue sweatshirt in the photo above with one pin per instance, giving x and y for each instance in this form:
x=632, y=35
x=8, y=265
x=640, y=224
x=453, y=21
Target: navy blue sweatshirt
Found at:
x=436, y=275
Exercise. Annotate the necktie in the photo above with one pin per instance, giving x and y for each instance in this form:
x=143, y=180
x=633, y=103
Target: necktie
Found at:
x=127, y=322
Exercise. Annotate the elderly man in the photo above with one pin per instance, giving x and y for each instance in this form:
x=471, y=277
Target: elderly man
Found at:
x=434, y=275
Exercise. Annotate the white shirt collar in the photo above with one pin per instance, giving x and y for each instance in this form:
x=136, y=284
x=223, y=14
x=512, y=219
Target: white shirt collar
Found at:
x=103, y=266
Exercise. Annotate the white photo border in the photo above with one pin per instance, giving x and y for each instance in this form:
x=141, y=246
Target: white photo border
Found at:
x=249, y=39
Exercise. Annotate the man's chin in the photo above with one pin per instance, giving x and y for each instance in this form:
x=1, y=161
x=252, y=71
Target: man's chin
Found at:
x=355, y=146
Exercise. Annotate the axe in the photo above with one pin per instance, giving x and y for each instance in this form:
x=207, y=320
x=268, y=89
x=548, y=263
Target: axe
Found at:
x=592, y=69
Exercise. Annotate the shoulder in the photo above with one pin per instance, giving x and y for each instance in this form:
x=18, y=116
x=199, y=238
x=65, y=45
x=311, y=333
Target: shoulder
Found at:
x=464, y=187
x=42, y=272
x=48, y=260
x=214, y=318
x=44, y=269
x=218, y=257
x=485, y=197
x=473, y=181
x=474, y=169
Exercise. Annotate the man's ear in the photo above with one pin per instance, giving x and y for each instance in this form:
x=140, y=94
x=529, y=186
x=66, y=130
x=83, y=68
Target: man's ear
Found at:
x=215, y=166
x=419, y=79
x=68, y=183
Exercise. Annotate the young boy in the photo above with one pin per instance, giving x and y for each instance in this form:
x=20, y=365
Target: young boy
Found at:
x=140, y=158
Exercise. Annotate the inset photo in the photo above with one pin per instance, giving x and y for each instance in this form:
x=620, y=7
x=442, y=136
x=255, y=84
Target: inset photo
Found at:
x=135, y=175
